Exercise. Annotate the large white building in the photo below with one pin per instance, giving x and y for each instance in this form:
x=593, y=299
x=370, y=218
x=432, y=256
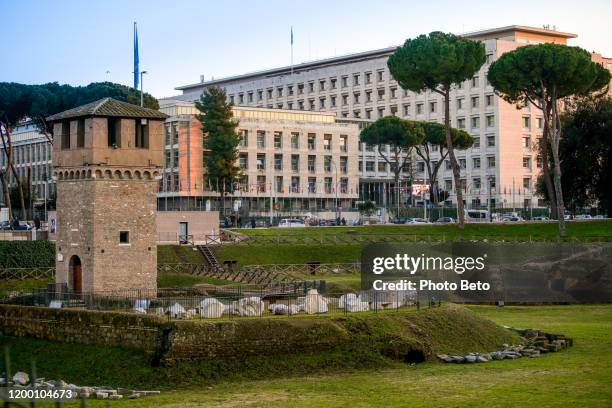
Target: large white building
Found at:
x=31, y=154
x=360, y=87
x=291, y=163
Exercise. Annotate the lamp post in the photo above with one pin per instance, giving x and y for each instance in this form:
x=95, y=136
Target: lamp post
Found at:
x=489, y=179
x=141, y=86
x=338, y=213
x=46, y=180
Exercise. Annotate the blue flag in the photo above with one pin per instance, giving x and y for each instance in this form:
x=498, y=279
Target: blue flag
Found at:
x=136, y=72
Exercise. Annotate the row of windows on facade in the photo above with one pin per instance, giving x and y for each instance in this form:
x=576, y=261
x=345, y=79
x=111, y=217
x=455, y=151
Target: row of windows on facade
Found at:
x=30, y=153
x=172, y=161
x=330, y=84
x=432, y=109
x=39, y=190
x=324, y=185
x=477, y=183
x=171, y=138
x=114, y=129
x=294, y=141
x=526, y=143
x=328, y=163
x=356, y=99
x=382, y=166
x=38, y=173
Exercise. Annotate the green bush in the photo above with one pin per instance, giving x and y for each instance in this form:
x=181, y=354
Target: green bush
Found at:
x=27, y=254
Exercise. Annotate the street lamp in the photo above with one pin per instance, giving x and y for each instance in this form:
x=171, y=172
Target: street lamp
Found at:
x=338, y=213
x=489, y=179
x=141, y=86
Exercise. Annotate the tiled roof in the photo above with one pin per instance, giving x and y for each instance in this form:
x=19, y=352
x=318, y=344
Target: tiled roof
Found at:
x=108, y=107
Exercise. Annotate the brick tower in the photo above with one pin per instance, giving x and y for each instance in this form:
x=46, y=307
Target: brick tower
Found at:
x=107, y=156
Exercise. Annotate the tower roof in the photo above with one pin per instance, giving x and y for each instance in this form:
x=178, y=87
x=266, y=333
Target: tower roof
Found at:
x=108, y=107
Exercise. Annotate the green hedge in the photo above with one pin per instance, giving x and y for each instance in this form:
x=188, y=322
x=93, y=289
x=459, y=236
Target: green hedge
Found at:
x=26, y=254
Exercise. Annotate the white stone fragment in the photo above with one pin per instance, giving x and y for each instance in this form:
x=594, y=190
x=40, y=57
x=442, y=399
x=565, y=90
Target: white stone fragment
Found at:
x=21, y=378
x=211, y=308
x=315, y=303
x=352, y=303
x=142, y=303
x=251, y=306
x=176, y=310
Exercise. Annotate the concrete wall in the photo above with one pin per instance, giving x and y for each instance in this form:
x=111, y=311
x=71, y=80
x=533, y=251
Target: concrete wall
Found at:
x=199, y=224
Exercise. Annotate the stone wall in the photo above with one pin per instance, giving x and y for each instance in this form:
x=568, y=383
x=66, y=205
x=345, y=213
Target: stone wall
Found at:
x=252, y=337
x=91, y=212
x=83, y=327
x=173, y=341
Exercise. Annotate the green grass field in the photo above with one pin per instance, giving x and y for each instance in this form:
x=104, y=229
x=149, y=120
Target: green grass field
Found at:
x=550, y=229
x=579, y=376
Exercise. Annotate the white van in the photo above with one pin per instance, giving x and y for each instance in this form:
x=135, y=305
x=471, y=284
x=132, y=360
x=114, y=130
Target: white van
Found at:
x=291, y=223
x=476, y=216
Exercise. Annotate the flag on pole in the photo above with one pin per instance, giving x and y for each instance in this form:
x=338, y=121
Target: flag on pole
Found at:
x=291, y=50
x=136, y=72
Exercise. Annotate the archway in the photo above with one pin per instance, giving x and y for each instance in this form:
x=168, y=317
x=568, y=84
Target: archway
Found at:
x=76, y=274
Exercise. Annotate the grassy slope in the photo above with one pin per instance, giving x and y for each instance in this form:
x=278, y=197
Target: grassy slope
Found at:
x=378, y=340
x=344, y=253
x=7, y=286
x=579, y=376
x=542, y=229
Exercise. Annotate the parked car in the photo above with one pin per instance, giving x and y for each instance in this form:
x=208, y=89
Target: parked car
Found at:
x=399, y=220
x=291, y=223
x=226, y=223
x=417, y=221
x=511, y=219
x=568, y=216
x=445, y=220
x=583, y=217
x=5, y=226
x=540, y=218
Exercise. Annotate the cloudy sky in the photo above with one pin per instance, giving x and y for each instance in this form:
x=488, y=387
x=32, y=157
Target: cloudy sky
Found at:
x=79, y=42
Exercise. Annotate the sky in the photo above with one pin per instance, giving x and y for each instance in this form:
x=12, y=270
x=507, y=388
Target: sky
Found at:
x=78, y=42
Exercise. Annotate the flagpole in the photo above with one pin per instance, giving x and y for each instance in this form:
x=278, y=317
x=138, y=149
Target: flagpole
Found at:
x=291, y=50
x=136, y=58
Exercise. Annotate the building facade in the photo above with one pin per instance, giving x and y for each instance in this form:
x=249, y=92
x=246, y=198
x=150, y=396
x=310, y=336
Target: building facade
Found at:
x=291, y=162
x=32, y=157
x=106, y=159
x=501, y=166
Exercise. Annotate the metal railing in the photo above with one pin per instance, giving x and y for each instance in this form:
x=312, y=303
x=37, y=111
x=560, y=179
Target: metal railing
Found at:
x=230, y=303
x=359, y=238
x=27, y=273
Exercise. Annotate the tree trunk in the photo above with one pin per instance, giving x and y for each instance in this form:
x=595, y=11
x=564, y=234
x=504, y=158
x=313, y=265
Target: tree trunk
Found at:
x=546, y=170
x=453, y=160
x=6, y=193
x=397, y=196
x=29, y=186
x=20, y=189
x=556, y=135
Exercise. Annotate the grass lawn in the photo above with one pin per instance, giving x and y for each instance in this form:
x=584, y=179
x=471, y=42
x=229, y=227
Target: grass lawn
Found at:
x=178, y=254
x=536, y=230
x=580, y=376
x=7, y=286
